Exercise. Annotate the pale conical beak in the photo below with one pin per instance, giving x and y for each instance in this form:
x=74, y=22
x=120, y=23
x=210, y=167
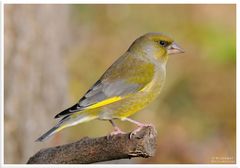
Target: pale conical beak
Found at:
x=174, y=49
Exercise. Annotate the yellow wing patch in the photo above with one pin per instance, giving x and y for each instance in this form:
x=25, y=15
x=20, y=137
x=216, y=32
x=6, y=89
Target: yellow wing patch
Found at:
x=105, y=102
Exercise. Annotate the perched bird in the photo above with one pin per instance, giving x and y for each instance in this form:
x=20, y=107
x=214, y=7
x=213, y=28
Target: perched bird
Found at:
x=128, y=85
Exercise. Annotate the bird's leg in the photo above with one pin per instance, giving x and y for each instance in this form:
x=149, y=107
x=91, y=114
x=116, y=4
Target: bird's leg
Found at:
x=117, y=130
x=140, y=126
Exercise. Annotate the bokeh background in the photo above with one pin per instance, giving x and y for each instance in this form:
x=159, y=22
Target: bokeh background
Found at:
x=54, y=53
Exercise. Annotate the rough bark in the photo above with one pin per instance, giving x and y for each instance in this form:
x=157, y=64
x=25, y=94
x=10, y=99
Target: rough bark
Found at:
x=91, y=150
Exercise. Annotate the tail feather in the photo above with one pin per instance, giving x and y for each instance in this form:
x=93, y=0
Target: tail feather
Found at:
x=65, y=122
x=60, y=125
x=48, y=133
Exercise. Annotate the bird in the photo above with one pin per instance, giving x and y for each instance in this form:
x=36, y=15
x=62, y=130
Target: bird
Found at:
x=133, y=81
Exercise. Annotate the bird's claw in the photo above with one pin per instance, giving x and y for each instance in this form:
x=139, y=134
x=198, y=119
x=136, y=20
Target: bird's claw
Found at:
x=115, y=132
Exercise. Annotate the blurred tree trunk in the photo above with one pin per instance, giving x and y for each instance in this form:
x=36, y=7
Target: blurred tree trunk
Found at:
x=35, y=81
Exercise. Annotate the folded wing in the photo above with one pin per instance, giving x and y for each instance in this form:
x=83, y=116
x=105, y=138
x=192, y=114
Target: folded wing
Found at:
x=126, y=76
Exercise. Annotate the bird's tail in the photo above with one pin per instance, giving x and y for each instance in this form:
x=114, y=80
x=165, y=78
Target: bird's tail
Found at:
x=49, y=133
x=67, y=121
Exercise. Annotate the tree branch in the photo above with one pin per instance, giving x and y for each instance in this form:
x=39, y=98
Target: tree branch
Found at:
x=91, y=150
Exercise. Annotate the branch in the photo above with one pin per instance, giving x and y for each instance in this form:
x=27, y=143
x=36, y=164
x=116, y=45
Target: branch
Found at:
x=91, y=150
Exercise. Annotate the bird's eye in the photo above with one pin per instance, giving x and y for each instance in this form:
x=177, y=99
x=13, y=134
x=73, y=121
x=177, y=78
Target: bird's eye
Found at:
x=163, y=43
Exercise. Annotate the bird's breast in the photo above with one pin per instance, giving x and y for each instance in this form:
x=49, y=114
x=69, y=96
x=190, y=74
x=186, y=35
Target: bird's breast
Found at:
x=157, y=82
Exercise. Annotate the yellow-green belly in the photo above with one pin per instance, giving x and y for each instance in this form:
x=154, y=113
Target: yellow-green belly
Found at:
x=132, y=104
x=126, y=107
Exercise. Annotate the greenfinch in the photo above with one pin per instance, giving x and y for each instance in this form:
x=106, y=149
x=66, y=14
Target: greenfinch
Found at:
x=127, y=86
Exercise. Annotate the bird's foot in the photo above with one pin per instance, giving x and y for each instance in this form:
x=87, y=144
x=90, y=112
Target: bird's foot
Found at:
x=140, y=126
x=115, y=132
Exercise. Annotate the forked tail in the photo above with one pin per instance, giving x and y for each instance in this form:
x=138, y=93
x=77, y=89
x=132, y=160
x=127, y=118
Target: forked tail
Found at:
x=49, y=133
x=67, y=121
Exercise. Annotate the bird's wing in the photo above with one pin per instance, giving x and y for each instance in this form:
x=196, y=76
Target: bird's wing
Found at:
x=126, y=76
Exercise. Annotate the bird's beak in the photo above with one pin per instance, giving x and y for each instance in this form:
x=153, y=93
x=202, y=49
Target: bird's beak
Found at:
x=174, y=49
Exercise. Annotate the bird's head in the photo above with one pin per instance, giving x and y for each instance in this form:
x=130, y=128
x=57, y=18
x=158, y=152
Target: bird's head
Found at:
x=155, y=44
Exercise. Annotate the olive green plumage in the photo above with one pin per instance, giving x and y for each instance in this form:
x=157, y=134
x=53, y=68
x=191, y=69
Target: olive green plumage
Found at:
x=128, y=85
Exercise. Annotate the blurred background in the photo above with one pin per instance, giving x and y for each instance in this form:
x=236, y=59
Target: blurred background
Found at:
x=54, y=53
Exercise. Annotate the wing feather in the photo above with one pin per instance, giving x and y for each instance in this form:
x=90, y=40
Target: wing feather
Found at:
x=119, y=81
